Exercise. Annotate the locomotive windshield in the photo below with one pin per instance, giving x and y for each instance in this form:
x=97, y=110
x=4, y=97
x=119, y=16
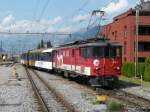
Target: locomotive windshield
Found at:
x=100, y=51
x=113, y=51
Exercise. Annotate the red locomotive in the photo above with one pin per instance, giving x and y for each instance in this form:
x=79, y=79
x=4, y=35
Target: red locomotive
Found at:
x=100, y=61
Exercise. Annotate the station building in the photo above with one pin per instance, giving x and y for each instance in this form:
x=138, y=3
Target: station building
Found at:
x=123, y=30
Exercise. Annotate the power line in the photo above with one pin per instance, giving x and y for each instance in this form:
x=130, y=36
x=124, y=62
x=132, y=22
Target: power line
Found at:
x=43, y=10
x=36, y=9
x=77, y=10
x=32, y=33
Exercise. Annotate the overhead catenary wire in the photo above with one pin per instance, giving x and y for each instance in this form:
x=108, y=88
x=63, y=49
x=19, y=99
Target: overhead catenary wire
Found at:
x=43, y=10
x=33, y=33
x=36, y=9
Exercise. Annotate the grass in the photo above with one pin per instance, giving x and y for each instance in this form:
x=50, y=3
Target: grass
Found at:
x=135, y=80
x=115, y=107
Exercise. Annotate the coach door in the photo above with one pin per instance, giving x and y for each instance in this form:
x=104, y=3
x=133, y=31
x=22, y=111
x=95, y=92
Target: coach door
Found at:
x=73, y=66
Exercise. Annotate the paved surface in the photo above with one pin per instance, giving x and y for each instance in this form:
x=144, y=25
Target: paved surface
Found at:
x=15, y=96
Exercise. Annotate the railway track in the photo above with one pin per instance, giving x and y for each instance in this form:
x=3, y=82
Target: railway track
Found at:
x=48, y=99
x=138, y=102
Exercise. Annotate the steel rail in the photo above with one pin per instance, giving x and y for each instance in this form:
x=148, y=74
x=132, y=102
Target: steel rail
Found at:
x=39, y=97
x=59, y=96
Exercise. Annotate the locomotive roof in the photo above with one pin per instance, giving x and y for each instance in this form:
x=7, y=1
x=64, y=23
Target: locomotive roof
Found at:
x=106, y=43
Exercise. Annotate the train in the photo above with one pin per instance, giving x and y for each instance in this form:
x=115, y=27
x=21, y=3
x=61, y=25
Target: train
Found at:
x=98, y=61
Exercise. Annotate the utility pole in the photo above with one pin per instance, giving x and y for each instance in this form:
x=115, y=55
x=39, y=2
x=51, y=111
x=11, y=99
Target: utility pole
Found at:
x=137, y=8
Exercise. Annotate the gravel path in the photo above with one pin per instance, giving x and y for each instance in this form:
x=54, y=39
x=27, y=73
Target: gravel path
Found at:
x=53, y=104
x=16, y=96
x=139, y=91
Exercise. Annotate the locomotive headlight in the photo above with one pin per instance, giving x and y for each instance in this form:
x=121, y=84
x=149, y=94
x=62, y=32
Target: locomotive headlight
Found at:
x=118, y=68
x=96, y=63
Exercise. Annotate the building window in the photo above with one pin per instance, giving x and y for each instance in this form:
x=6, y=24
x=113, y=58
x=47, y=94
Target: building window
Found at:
x=125, y=31
x=144, y=46
x=115, y=35
x=144, y=30
x=141, y=59
x=125, y=47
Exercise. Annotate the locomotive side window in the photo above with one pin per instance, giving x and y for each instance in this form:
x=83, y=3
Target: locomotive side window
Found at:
x=89, y=51
x=67, y=53
x=83, y=52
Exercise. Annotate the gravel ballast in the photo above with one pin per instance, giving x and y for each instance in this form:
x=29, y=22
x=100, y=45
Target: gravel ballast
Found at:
x=82, y=99
x=16, y=96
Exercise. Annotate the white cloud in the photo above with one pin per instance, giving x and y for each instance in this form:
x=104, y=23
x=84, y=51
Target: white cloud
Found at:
x=57, y=19
x=115, y=7
x=9, y=24
x=80, y=18
x=65, y=30
x=8, y=20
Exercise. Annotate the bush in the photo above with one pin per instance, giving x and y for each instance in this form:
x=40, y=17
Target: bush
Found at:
x=115, y=107
x=141, y=69
x=128, y=69
x=147, y=70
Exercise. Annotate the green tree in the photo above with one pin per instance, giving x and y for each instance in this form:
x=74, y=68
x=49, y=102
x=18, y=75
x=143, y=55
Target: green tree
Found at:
x=147, y=70
x=49, y=45
x=42, y=43
x=38, y=46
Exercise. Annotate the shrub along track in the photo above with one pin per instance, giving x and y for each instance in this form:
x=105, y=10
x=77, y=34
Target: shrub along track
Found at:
x=43, y=99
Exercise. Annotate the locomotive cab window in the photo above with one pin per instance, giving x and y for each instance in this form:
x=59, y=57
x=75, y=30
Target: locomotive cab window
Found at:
x=92, y=52
x=98, y=52
x=113, y=51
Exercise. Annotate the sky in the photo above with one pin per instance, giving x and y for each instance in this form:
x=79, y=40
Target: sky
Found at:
x=56, y=15
x=61, y=16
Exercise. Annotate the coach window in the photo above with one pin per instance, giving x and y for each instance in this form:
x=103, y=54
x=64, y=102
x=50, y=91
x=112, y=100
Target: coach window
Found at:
x=49, y=56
